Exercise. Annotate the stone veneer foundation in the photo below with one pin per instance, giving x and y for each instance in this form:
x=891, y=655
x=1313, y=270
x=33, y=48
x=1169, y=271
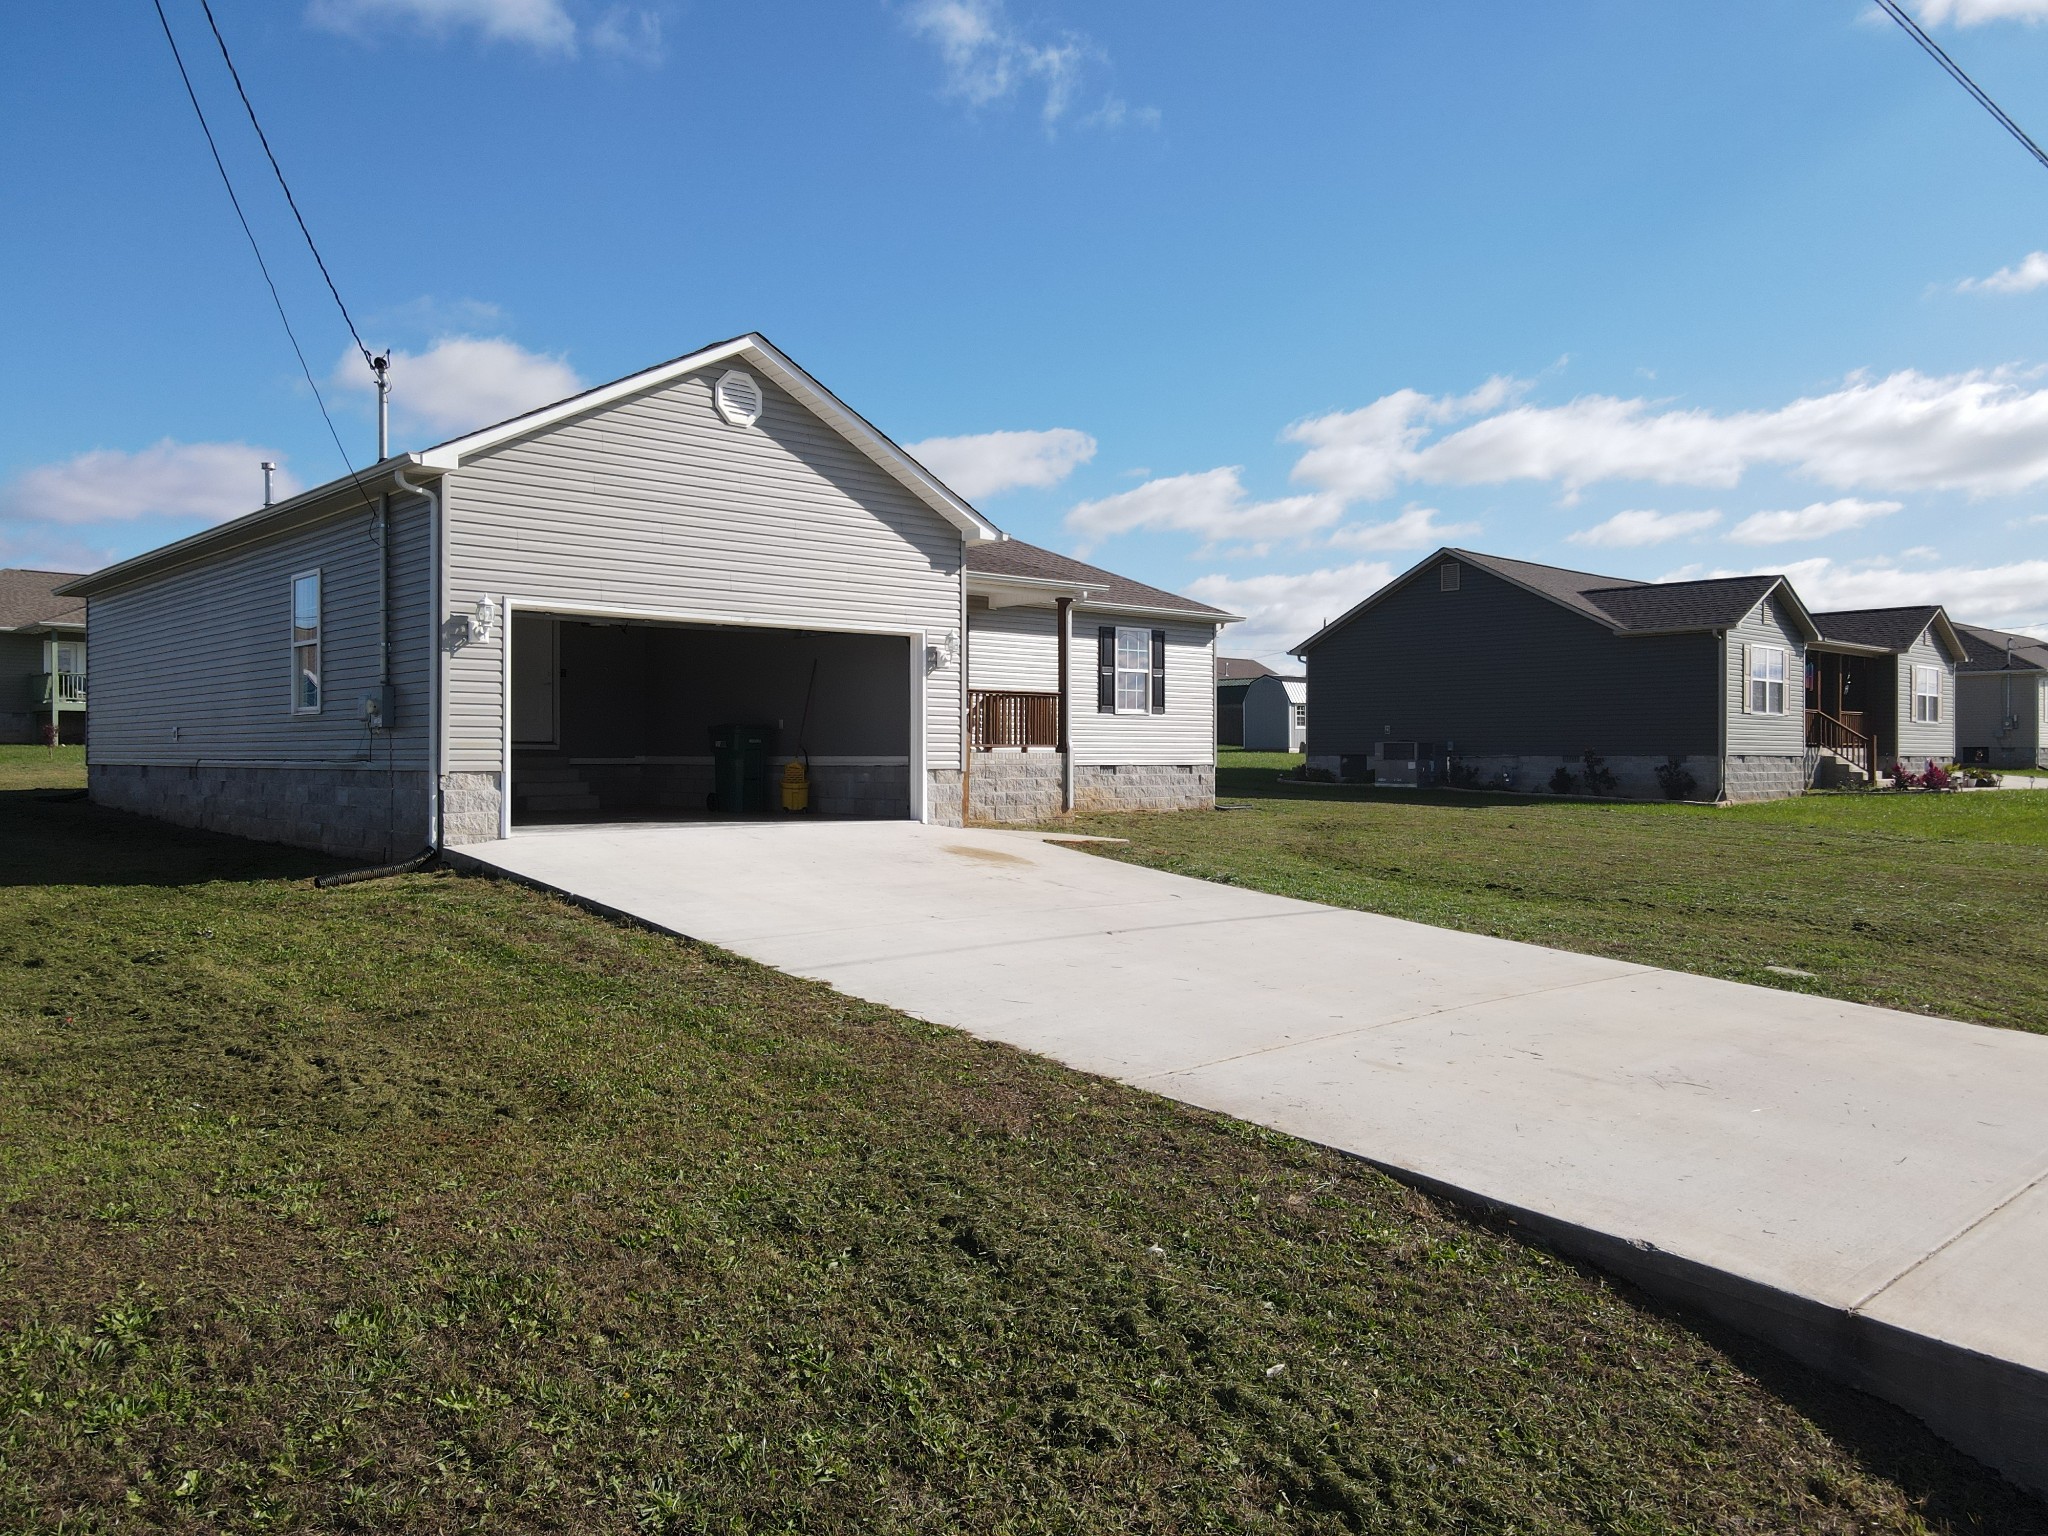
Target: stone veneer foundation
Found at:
x=1014, y=788
x=366, y=813
x=1145, y=787
x=1751, y=776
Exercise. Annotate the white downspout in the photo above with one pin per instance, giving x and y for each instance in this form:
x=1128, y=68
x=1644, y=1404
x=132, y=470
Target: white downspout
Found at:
x=436, y=715
x=1721, y=718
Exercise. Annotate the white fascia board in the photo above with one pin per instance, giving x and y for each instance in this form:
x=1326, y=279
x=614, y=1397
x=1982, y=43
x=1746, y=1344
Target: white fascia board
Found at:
x=1180, y=615
x=762, y=354
x=1025, y=591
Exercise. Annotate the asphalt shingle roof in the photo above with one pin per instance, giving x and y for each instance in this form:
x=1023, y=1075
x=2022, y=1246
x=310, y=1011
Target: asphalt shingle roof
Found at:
x=1013, y=557
x=1894, y=629
x=1987, y=648
x=1236, y=669
x=1635, y=606
x=27, y=597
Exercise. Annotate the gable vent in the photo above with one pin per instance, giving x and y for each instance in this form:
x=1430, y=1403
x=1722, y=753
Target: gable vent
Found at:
x=1447, y=576
x=738, y=398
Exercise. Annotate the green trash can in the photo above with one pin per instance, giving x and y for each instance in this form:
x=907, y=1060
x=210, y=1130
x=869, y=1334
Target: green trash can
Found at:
x=739, y=768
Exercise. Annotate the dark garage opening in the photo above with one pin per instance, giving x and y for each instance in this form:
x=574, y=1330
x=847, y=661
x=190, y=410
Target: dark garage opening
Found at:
x=616, y=719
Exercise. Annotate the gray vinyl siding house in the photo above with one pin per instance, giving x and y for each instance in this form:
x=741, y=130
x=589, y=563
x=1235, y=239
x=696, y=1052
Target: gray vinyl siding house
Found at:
x=1896, y=671
x=2002, y=699
x=550, y=618
x=1511, y=670
x=42, y=657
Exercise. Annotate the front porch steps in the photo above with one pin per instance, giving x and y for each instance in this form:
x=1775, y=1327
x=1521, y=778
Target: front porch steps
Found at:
x=1836, y=772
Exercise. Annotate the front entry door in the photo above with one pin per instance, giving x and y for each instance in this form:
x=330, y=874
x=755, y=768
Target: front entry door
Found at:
x=536, y=670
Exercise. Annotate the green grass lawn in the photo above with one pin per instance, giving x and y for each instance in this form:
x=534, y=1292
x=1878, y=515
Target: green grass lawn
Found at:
x=1926, y=902
x=436, y=1204
x=41, y=767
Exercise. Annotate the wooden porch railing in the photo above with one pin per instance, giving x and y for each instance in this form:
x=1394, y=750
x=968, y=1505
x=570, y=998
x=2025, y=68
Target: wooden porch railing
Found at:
x=1845, y=741
x=1010, y=719
x=66, y=690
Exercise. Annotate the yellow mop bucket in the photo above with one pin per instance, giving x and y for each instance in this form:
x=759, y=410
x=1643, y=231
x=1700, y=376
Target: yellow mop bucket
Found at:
x=796, y=787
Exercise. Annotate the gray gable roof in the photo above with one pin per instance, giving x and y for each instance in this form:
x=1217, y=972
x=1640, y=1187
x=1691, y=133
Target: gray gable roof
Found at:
x=29, y=597
x=1013, y=557
x=1892, y=629
x=1988, y=651
x=1237, y=669
x=1614, y=602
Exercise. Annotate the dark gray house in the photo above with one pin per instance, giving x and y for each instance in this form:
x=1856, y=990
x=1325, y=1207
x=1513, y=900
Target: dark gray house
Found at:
x=42, y=657
x=1502, y=671
x=2002, y=699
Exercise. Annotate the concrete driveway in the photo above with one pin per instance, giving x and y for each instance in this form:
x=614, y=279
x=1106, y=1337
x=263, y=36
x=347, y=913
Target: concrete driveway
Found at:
x=1866, y=1189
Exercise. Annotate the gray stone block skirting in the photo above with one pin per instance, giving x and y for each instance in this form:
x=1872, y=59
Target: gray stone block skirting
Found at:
x=366, y=813
x=1145, y=787
x=1014, y=788
x=469, y=807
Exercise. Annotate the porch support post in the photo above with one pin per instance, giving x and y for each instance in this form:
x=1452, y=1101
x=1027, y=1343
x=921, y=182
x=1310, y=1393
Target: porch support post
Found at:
x=1066, y=624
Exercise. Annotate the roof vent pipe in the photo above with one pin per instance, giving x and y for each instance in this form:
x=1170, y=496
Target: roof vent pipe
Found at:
x=381, y=366
x=269, y=469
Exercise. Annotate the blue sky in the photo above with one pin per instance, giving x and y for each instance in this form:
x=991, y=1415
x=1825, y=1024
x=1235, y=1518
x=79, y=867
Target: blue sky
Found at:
x=1255, y=302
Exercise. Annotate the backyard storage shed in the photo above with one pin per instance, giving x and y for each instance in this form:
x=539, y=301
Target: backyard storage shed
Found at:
x=1881, y=682
x=564, y=615
x=1498, y=672
x=42, y=657
x=2002, y=698
x=1234, y=678
x=1276, y=714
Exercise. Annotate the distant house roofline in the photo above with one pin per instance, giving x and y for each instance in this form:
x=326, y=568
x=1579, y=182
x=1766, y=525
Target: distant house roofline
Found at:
x=1616, y=603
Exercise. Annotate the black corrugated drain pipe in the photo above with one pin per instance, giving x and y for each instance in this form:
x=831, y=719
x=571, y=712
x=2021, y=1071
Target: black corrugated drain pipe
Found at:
x=374, y=872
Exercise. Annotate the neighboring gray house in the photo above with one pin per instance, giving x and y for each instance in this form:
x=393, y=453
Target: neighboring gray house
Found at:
x=554, y=614
x=1234, y=677
x=1506, y=670
x=42, y=657
x=1882, y=682
x=1276, y=714
x=2002, y=699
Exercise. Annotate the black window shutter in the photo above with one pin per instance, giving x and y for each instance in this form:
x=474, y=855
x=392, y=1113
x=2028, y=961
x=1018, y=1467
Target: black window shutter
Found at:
x=1105, y=670
x=1158, y=671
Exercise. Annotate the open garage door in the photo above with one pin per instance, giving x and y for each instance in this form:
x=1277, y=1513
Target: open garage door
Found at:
x=624, y=719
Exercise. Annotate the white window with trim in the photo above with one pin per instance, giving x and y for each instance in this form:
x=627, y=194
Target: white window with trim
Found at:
x=306, y=643
x=1133, y=671
x=1927, y=695
x=1767, y=679
x=1301, y=715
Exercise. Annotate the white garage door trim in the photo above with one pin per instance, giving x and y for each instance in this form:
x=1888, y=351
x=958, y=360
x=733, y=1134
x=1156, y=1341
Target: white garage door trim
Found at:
x=509, y=605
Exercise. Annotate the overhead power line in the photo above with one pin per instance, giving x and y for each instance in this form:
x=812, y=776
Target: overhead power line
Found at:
x=264, y=139
x=263, y=266
x=1940, y=56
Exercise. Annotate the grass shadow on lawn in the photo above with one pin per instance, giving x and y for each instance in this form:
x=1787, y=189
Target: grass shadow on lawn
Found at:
x=57, y=837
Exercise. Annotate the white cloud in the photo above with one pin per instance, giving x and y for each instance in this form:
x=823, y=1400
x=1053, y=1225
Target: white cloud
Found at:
x=2028, y=275
x=2011, y=596
x=1638, y=530
x=1973, y=13
x=464, y=382
x=1810, y=522
x=621, y=33
x=1416, y=528
x=1983, y=432
x=209, y=482
x=543, y=25
x=988, y=59
x=1282, y=611
x=1212, y=503
x=990, y=463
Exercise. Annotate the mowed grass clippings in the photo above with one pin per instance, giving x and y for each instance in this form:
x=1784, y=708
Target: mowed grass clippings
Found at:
x=436, y=1204
x=1929, y=903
